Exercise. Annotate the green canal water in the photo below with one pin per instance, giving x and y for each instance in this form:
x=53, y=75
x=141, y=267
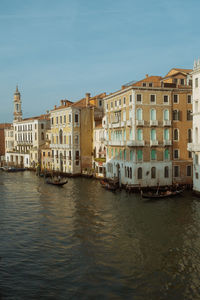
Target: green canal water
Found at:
x=83, y=242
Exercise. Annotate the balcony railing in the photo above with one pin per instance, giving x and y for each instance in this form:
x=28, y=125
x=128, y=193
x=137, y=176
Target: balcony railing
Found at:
x=167, y=142
x=153, y=122
x=135, y=143
x=167, y=123
x=140, y=122
x=154, y=143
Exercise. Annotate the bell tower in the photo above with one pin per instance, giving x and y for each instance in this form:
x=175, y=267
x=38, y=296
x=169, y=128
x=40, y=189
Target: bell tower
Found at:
x=17, y=106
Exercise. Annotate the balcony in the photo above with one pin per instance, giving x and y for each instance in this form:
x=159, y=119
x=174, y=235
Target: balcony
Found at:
x=153, y=122
x=167, y=123
x=140, y=122
x=117, y=143
x=193, y=147
x=135, y=143
x=129, y=123
x=154, y=143
x=167, y=142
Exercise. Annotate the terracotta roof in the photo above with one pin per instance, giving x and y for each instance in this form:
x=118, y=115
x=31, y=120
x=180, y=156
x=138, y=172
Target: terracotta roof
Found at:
x=152, y=79
x=41, y=117
x=5, y=125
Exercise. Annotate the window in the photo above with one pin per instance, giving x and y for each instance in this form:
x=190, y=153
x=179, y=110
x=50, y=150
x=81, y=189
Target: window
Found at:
x=139, y=155
x=189, y=115
x=139, y=134
x=150, y=84
x=189, y=135
x=124, y=100
x=153, y=134
x=182, y=81
x=52, y=121
x=130, y=98
x=166, y=172
x=176, y=135
x=175, y=98
x=166, y=134
x=130, y=173
x=139, y=98
x=176, y=171
x=189, y=170
x=64, y=119
x=77, y=157
x=166, y=99
x=166, y=115
x=175, y=80
x=153, y=114
x=189, y=99
x=56, y=120
x=189, y=154
x=144, y=84
x=176, y=154
x=76, y=118
x=153, y=98
x=115, y=103
x=42, y=136
x=61, y=137
x=131, y=155
x=139, y=173
x=196, y=82
x=176, y=115
x=111, y=104
x=153, y=154
x=43, y=154
x=153, y=172
x=70, y=118
x=100, y=102
x=196, y=159
x=197, y=175
x=139, y=114
x=124, y=154
x=120, y=102
x=60, y=119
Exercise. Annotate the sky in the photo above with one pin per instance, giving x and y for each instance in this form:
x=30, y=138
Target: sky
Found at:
x=63, y=49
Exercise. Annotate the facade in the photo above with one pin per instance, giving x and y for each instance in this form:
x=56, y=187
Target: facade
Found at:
x=139, y=132
x=194, y=146
x=28, y=135
x=99, y=152
x=5, y=130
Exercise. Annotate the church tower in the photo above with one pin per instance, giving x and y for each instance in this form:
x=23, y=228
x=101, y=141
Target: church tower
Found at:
x=17, y=106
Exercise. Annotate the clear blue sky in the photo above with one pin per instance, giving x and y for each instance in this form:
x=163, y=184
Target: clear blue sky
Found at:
x=56, y=49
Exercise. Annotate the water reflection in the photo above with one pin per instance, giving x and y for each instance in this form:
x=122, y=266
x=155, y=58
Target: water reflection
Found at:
x=80, y=241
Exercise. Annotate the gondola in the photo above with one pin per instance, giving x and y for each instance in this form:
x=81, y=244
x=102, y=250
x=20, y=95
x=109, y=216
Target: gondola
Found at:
x=158, y=195
x=108, y=186
x=55, y=181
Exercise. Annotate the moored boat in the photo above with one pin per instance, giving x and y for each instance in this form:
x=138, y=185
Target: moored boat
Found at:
x=56, y=181
x=161, y=194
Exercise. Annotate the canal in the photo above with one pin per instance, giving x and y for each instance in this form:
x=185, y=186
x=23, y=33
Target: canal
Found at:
x=82, y=242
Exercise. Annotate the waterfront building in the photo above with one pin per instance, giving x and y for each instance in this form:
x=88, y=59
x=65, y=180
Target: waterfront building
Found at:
x=139, y=131
x=99, y=152
x=5, y=132
x=28, y=135
x=194, y=146
x=71, y=134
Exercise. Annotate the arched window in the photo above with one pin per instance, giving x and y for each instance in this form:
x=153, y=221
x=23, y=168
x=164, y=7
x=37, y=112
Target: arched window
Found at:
x=153, y=134
x=139, y=134
x=131, y=155
x=139, y=173
x=190, y=135
x=60, y=136
x=166, y=172
x=42, y=136
x=196, y=135
x=124, y=154
x=153, y=114
x=130, y=173
x=139, y=114
x=166, y=114
x=153, y=172
x=166, y=134
x=176, y=134
x=176, y=115
x=166, y=154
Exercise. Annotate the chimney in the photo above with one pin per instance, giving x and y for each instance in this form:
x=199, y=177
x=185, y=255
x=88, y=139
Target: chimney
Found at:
x=61, y=102
x=147, y=75
x=87, y=97
x=54, y=106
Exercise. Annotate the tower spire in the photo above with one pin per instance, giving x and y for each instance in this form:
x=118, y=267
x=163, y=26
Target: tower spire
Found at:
x=17, y=105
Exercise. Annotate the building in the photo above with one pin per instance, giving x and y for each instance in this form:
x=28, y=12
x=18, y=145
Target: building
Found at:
x=194, y=146
x=71, y=134
x=28, y=135
x=5, y=130
x=139, y=131
x=99, y=152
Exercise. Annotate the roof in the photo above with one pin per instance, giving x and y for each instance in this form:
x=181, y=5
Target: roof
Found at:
x=5, y=125
x=153, y=79
x=175, y=71
x=41, y=117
